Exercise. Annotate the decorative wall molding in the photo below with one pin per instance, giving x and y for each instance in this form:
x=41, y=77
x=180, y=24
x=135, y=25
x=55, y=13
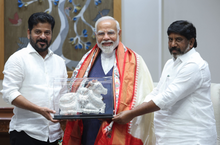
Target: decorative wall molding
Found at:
x=5, y=117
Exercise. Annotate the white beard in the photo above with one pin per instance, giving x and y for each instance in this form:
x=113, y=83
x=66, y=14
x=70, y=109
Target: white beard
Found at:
x=187, y=49
x=108, y=49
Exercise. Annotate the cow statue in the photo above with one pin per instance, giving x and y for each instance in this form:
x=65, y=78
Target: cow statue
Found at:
x=86, y=100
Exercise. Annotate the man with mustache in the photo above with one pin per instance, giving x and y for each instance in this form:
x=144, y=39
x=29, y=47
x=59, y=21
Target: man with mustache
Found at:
x=183, y=112
x=28, y=75
x=131, y=83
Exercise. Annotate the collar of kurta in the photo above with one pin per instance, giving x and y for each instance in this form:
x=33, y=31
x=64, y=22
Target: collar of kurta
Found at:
x=32, y=50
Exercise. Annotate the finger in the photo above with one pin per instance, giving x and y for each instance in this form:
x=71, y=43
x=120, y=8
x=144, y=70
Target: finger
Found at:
x=51, y=111
x=55, y=121
x=117, y=115
x=115, y=119
x=48, y=110
x=51, y=119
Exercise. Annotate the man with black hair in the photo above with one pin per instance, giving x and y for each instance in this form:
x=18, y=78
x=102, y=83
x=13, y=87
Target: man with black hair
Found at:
x=181, y=101
x=28, y=74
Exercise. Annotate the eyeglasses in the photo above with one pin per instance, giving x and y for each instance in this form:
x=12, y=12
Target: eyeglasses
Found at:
x=109, y=33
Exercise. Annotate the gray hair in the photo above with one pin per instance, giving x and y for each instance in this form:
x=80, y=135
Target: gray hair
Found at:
x=107, y=18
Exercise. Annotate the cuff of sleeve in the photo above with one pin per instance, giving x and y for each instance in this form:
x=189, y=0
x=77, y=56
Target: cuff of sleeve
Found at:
x=159, y=102
x=148, y=98
x=13, y=95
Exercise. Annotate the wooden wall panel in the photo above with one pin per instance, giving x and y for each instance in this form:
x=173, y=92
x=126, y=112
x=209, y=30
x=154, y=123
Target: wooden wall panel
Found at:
x=3, y=51
x=117, y=10
x=1, y=38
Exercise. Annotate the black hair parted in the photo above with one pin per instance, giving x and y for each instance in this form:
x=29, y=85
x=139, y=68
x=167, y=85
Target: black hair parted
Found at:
x=183, y=28
x=40, y=17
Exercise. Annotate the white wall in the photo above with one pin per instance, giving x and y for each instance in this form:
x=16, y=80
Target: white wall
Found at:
x=143, y=19
x=141, y=33
x=205, y=15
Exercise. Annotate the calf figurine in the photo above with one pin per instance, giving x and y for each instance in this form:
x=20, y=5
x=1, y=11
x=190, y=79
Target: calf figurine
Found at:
x=85, y=100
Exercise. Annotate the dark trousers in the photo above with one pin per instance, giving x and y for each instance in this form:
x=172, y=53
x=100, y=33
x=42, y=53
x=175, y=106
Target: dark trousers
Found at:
x=21, y=138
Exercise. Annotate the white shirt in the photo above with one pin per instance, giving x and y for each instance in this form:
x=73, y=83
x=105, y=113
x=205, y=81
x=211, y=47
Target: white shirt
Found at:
x=107, y=60
x=26, y=73
x=183, y=95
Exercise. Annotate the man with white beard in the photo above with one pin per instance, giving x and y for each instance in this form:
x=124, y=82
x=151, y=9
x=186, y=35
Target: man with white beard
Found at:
x=131, y=83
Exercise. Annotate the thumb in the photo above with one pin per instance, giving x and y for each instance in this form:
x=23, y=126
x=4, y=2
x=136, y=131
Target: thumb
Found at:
x=51, y=111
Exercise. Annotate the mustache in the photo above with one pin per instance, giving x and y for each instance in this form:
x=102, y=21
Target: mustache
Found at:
x=107, y=41
x=174, y=48
x=42, y=40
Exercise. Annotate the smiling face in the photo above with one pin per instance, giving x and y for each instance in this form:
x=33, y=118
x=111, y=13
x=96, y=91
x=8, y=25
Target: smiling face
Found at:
x=40, y=37
x=107, y=37
x=179, y=45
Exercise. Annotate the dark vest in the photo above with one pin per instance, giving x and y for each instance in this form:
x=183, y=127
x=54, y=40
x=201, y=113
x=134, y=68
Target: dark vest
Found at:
x=91, y=126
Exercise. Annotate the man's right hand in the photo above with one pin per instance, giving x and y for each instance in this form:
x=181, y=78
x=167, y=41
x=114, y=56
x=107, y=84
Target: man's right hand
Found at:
x=123, y=117
x=23, y=103
x=46, y=112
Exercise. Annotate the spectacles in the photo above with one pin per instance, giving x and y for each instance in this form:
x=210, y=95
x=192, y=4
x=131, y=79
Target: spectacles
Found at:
x=109, y=33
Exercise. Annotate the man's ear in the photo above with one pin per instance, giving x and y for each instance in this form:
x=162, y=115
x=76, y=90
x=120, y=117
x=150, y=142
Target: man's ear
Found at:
x=28, y=34
x=119, y=33
x=191, y=42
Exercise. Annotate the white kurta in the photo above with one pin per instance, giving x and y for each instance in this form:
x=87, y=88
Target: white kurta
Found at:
x=26, y=73
x=183, y=95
